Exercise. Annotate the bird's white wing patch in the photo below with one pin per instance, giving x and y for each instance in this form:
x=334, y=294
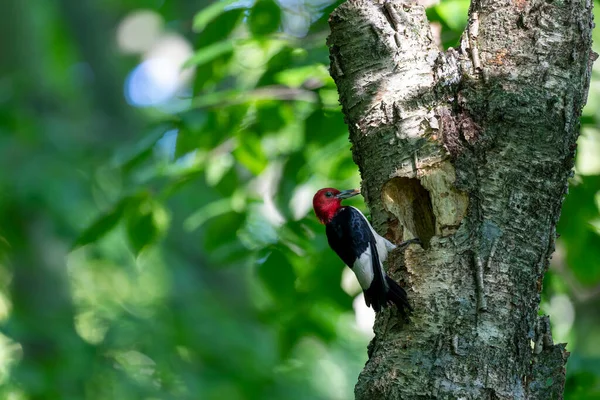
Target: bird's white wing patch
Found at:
x=363, y=268
x=383, y=245
x=388, y=245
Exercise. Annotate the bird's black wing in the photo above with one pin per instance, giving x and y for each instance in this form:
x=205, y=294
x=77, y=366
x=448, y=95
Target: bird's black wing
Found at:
x=349, y=235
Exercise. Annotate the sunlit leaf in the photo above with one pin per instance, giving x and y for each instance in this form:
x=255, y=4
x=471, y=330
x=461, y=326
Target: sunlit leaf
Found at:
x=233, y=97
x=449, y=37
x=454, y=13
x=209, y=53
x=250, y=154
x=296, y=77
x=208, y=14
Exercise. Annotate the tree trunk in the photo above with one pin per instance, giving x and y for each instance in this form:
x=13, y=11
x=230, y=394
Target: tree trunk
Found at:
x=470, y=150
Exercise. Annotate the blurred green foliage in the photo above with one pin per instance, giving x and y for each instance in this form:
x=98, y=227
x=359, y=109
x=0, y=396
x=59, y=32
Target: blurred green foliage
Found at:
x=168, y=251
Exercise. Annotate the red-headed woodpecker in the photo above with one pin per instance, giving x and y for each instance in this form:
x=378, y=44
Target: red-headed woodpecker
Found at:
x=353, y=239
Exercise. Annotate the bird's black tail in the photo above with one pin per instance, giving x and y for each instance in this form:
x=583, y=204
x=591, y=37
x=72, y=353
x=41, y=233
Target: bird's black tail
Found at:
x=397, y=295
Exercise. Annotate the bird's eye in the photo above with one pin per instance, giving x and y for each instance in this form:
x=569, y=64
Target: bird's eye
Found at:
x=328, y=194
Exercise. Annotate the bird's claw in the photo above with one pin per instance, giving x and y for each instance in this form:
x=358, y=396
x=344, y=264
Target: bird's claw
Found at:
x=408, y=242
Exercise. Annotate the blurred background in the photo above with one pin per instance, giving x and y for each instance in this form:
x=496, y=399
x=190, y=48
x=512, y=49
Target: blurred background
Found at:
x=158, y=160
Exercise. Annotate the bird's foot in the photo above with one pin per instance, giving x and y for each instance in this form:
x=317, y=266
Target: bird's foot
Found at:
x=408, y=242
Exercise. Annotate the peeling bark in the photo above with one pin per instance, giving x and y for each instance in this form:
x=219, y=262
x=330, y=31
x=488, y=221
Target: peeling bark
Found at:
x=469, y=149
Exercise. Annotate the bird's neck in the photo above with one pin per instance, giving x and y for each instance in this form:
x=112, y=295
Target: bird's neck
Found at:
x=327, y=213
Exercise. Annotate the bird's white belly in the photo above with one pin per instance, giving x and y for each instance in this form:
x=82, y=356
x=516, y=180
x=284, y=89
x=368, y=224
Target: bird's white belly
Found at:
x=382, y=249
x=363, y=268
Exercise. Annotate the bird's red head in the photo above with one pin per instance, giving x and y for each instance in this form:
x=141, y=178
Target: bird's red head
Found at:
x=328, y=201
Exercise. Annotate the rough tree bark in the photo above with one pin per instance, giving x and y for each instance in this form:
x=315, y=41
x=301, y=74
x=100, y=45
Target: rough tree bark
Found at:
x=470, y=150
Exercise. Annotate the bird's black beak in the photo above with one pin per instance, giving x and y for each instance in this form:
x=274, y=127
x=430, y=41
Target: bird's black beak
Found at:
x=346, y=194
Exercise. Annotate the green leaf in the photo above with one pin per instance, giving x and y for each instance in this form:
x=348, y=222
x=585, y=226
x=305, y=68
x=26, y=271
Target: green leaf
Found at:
x=141, y=231
x=454, y=13
x=280, y=61
x=450, y=37
x=583, y=384
x=324, y=320
x=264, y=17
x=229, y=183
x=191, y=128
x=323, y=126
x=130, y=156
x=103, y=224
x=258, y=231
x=278, y=276
x=236, y=97
x=322, y=24
x=146, y=223
x=323, y=280
x=294, y=173
x=217, y=167
x=250, y=154
x=220, y=231
x=296, y=77
x=270, y=117
x=207, y=128
x=344, y=168
x=209, y=53
x=211, y=210
x=208, y=14
x=217, y=30
x=577, y=232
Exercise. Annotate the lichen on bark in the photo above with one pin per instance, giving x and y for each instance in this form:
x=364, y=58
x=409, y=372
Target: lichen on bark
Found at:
x=470, y=148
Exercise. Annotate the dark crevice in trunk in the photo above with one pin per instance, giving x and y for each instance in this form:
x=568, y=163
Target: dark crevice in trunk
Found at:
x=411, y=204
